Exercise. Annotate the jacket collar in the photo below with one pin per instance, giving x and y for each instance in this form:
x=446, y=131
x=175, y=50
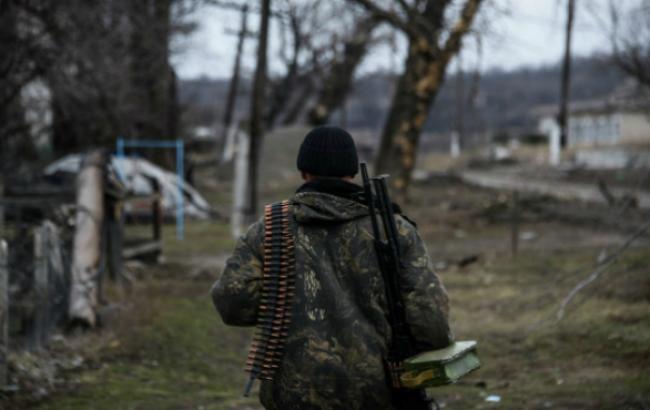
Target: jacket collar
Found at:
x=343, y=189
x=334, y=186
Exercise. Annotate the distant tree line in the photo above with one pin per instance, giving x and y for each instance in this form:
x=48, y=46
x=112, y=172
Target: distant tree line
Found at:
x=504, y=100
x=630, y=38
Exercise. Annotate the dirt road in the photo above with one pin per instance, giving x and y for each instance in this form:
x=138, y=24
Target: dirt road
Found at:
x=512, y=179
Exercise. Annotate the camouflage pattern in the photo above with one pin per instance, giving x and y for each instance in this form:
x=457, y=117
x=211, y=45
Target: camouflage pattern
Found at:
x=339, y=331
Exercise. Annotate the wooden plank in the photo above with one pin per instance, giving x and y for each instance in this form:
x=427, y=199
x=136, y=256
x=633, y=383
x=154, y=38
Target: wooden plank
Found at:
x=4, y=311
x=142, y=198
x=56, y=276
x=35, y=202
x=114, y=238
x=142, y=249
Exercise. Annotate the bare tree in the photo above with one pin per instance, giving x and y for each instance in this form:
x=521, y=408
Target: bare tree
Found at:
x=320, y=47
x=152, y=78
x=309, y=34
x=338, y=81
x=630, y=37
x=23, y=57
x=432, y=44
x=296, y=105
x=294, y=22
x=105, y=64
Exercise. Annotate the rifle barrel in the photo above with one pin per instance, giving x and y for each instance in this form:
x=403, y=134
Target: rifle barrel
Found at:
x=370, y=200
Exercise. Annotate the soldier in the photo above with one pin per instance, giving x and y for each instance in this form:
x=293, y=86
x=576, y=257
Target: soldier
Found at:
x=337, y=341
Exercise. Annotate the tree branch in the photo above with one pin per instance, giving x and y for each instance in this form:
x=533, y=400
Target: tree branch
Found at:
x=406, y=8
x=602, y=267
x=462, y=26
x=434, y=12
x=387, y=16
x=238, y=6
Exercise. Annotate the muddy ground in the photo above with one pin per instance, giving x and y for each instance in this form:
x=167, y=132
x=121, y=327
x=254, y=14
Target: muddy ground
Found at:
x=163, y=346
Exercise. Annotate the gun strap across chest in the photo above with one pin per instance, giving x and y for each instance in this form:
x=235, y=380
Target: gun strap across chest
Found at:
x=278, y=284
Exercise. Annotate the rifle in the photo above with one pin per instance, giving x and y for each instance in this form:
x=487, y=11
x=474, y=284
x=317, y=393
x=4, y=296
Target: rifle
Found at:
x=405, y=367
x=390, y=265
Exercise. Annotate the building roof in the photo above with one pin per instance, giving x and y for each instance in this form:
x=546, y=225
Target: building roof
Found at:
x=628, y=97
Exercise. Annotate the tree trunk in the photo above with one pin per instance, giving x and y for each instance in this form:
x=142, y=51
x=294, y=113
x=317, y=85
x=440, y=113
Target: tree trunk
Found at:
x=460, y=102
x=64, y=136
x=173, y=109
x=239, y=182
x=233, y=87
x=281, y=90
x=4, y=311
x=296, y=106
x=151, y=77
x=257, y=112
x=418, y=86
x=566, y=76
x=86, y=253
x=338, y=82
x=416, y=90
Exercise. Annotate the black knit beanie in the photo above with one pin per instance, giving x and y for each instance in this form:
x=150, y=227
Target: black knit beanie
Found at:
x=328, y=151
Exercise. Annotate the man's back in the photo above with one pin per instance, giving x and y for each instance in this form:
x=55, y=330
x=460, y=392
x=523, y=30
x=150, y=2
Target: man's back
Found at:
x=339, y=333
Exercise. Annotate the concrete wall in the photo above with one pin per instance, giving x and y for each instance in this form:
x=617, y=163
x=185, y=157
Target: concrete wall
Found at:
x=613, y=158
x=598, y=129
x=635, y=128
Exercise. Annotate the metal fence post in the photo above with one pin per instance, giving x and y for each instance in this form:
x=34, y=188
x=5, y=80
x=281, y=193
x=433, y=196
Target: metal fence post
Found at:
x=156, y=211
x=114, y=239
x=514, y=235
x=41, y=293
x=180, y=171
x=4, y=311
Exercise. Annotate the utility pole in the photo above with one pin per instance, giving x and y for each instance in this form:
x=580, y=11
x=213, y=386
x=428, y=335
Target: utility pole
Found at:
x=234, y=80
x=257, y=112
x=566, y=76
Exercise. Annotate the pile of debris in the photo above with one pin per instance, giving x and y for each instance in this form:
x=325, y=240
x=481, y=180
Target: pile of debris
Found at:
x=139, y=176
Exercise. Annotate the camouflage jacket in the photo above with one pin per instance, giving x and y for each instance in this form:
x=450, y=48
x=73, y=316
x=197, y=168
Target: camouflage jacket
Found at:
x=339, y=332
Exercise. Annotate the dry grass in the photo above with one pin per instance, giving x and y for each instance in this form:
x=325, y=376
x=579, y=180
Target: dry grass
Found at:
x=169, y=350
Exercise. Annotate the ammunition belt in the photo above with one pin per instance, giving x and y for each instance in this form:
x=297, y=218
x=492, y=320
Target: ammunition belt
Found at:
x=278, y=284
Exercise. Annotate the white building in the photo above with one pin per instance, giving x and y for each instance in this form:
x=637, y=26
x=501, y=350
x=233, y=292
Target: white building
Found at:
x=612, y=132
x=622, y=118
x=603, y=123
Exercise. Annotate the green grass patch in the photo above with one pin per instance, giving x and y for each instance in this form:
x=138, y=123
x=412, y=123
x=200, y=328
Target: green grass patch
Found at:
x=170, y=350
x=177, y=355
x=201, y=238
x=596, y=357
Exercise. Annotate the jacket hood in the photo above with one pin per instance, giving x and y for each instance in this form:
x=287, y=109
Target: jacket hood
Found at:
x=315, y=207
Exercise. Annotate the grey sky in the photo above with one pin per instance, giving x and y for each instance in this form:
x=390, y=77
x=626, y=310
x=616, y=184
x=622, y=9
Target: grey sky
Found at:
x=526, y=32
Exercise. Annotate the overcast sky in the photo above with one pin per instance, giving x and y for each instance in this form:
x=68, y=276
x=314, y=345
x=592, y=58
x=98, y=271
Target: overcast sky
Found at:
x=531, y=32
